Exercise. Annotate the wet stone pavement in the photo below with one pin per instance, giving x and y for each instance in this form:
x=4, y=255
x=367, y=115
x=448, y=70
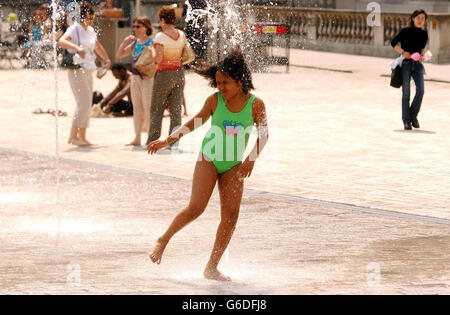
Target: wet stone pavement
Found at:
x=92, y=233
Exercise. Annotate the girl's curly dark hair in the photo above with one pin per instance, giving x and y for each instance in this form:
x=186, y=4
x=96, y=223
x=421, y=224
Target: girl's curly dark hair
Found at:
x=234, y=65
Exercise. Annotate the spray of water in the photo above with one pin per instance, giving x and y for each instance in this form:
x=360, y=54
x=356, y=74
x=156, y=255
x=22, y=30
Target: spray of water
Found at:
x=229, y=28
x=55, y=18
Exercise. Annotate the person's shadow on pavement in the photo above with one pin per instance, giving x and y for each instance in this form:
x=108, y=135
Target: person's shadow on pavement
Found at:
x=416, y=131
x=90, y=148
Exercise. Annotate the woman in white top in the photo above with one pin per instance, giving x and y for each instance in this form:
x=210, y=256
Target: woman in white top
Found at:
x=81, y=38
x=169, y=79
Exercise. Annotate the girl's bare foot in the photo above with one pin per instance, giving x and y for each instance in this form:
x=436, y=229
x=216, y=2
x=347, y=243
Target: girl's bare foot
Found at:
x=214, y=274
x=158, y=251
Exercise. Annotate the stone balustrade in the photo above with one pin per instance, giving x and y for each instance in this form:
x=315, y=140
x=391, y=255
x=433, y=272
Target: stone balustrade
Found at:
x=349, y=31
x=393, y=23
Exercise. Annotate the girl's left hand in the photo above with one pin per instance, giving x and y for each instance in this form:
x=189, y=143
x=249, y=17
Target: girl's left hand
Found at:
x=246, y=168
x=155, y=146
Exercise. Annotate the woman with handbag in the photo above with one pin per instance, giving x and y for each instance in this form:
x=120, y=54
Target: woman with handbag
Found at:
x=143, y=67
x=80, y=41
x=169, y=82
x=410, y=41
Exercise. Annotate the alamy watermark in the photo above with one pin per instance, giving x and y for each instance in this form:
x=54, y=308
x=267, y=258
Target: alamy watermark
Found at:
x=373, y=275
x=374, y=17
x=74, y=274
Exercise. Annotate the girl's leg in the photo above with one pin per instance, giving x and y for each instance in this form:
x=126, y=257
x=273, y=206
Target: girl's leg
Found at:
x=231, y=187
x=204, y=181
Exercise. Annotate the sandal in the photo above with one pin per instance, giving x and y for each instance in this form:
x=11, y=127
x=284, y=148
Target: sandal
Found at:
x=60, y=113
x=38, y=111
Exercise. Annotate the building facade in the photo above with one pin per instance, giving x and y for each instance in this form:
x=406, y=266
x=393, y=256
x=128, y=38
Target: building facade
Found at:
x=431, y=6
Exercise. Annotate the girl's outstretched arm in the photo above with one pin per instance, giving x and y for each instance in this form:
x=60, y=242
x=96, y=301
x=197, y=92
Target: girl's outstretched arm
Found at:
x=196, y=122
x=260, y=118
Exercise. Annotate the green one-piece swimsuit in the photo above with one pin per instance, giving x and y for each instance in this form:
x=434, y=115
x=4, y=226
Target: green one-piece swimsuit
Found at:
x=227, y=139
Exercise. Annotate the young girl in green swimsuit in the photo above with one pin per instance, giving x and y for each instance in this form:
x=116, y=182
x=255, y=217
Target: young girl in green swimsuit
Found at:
x=234, y=111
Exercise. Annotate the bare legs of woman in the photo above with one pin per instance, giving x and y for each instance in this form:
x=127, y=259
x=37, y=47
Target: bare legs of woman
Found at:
x=230, y=188
x=78, y=137
x=137, y=138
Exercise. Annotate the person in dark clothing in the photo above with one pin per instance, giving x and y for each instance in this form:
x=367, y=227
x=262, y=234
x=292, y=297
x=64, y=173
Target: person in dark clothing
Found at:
x=114, y=103
x=409, y=41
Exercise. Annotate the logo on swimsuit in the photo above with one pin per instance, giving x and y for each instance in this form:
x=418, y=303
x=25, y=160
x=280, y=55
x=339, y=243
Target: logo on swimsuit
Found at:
x=232, y=128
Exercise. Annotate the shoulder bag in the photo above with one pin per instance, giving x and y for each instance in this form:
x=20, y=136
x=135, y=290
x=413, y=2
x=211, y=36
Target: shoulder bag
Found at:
x=396, y=77
x=188, y=54
x=67, y=60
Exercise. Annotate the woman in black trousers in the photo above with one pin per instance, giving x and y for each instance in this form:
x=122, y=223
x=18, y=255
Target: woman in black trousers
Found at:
x=409, y=41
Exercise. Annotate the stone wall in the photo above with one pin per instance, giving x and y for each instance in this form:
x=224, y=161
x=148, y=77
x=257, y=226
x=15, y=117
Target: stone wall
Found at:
x=404, y=6
x=348, y=31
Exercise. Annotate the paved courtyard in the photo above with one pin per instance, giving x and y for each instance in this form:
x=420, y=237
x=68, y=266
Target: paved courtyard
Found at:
x=353, y=203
